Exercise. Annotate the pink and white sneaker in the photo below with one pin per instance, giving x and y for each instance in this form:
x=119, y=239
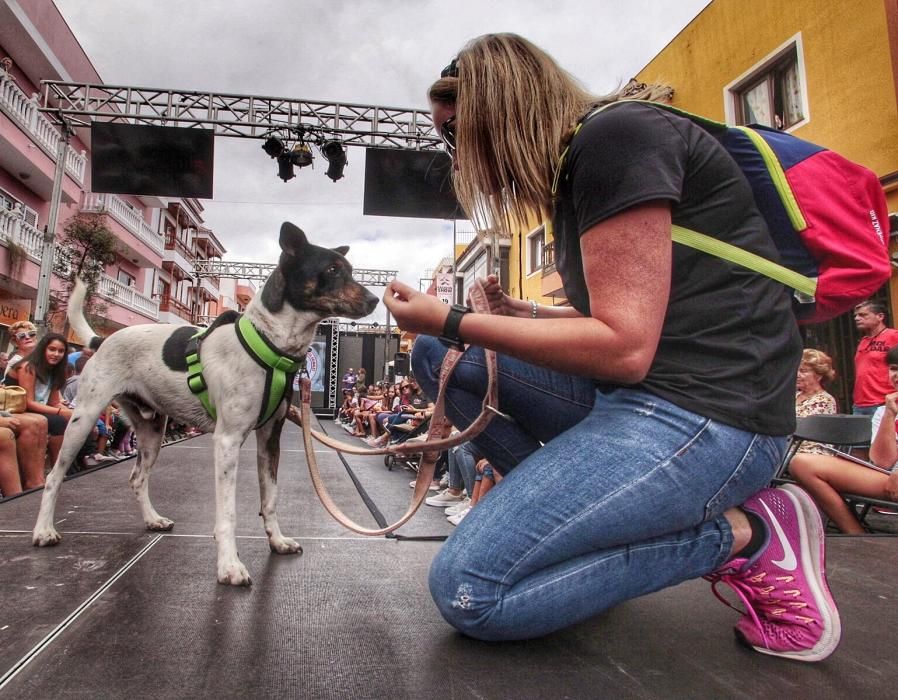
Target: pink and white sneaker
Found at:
x=790, y=610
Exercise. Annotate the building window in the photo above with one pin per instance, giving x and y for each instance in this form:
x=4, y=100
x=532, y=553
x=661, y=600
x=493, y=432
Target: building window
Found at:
x=125, y=278
x=535, y=243
x=772, y=93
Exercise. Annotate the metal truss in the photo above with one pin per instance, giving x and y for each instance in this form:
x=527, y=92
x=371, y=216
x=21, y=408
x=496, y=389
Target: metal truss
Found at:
x=260, y=271
x=242, y=116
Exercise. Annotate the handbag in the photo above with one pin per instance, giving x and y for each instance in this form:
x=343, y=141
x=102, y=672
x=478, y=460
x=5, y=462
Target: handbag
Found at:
x=13, y=399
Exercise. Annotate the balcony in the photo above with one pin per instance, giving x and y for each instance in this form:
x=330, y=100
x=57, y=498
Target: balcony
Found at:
x=551, y=285
x=23, y=111
x=130, y=219
x=128, y=297
x=168, y=304
x=14, y=229
x=178, y=253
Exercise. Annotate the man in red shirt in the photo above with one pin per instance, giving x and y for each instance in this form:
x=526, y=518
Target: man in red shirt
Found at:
x=871, y=373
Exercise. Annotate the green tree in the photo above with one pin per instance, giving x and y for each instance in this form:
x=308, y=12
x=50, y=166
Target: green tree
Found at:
x=84, y=249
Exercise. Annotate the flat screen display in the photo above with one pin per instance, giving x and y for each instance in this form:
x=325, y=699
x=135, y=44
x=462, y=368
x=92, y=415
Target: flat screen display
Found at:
x=401, y=182
x=165, y=161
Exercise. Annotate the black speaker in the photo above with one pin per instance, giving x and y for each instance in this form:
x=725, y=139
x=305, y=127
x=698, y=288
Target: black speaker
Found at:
x=400, y=363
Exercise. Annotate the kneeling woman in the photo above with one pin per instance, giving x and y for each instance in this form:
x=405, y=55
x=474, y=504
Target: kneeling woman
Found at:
x=649, y=415
x=42, y=375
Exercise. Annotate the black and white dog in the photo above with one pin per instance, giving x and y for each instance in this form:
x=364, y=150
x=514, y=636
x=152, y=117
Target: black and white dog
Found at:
x=144, y=369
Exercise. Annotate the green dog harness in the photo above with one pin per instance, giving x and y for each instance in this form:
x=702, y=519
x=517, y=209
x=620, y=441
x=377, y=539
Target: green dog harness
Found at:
x=279, y=368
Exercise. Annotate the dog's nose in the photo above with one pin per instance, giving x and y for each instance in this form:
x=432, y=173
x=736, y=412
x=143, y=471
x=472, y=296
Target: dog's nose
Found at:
x=370, y=302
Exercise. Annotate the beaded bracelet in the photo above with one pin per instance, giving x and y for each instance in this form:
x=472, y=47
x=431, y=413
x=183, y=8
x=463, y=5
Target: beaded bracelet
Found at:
x=533, y=306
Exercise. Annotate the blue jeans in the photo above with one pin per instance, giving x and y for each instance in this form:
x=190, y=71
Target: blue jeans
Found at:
x=864, y=410
x=463, y=466
x=626, y=497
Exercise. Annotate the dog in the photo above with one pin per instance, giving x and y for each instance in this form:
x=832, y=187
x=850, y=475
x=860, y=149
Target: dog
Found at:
x=143, y=368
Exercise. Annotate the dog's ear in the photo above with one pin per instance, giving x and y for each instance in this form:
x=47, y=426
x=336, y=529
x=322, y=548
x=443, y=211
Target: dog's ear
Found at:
x=342, y=250
x=273, y=291
x=292, y=240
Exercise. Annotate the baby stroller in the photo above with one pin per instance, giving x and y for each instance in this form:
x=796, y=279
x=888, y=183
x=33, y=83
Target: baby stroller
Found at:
x=400, y=434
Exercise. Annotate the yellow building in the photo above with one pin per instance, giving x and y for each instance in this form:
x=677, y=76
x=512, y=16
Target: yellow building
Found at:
x=822, y=70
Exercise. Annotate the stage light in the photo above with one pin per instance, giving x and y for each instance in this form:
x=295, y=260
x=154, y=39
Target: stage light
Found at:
x=335, y=154
x=302, y=155
x=285, y=166
x=273, y=146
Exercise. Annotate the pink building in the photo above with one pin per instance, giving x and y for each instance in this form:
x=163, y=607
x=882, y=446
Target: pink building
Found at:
x=152, y=279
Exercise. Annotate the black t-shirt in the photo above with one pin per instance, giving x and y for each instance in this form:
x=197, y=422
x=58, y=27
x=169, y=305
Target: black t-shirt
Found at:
x=729, y=346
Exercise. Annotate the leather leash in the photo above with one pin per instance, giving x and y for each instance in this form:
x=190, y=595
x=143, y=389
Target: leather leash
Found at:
x=436, y=439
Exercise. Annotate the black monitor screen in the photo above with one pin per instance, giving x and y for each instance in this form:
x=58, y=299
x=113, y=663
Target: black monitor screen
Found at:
x=400, y=182
x=166, y=161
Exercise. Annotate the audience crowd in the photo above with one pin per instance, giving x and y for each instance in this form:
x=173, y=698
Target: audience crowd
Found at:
x=389, y=413
x=30, y=440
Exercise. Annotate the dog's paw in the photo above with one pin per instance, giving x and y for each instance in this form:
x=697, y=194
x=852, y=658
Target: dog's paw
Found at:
x=234, y=574
x=284, y=545
x=160, y=525
x=46, y=537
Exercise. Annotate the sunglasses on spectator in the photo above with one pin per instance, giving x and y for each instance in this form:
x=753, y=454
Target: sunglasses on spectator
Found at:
x=447, y=133
x=25, y=334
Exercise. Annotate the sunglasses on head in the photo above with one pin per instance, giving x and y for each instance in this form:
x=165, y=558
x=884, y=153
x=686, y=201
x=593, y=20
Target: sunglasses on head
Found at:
x=447, y=133
x=450, y=71
x=25, y=334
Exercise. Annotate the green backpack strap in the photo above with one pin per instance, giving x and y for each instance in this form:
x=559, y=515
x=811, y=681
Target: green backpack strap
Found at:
x=805, y=286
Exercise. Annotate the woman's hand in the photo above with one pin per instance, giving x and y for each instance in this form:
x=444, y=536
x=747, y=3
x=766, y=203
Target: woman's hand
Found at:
x=414, y=311
x=496, y=296
x=10, y=422
x=65, y=411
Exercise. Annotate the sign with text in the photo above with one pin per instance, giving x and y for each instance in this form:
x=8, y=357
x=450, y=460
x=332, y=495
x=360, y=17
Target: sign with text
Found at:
x=12, y=310
x=445, y=287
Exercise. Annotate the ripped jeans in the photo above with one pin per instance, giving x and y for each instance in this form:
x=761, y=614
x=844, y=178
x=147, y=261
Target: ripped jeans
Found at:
x=626, y=497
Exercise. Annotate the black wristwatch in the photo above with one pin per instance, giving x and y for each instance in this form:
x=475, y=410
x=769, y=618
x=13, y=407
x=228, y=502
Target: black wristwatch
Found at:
x=450, y=329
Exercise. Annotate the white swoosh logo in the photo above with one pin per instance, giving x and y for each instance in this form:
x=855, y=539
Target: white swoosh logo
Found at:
x=788, y=562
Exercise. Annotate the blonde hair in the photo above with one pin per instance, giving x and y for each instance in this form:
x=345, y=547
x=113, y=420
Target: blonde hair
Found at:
x=820, y=363
x=21, y=326
x=516, y=111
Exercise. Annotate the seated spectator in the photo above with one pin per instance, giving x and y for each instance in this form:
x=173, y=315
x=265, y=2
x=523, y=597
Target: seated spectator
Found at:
x=42, y=375
x=10, y=479
x=825, y=477
x=811, y=398
x=461, y=468
x=93, y=452
x=366, y=416
x=24, y=337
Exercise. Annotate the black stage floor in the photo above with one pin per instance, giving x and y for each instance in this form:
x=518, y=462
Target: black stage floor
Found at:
x=117, y=612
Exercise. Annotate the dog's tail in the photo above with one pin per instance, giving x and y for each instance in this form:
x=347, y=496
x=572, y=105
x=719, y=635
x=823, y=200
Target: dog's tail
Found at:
x=75, y=312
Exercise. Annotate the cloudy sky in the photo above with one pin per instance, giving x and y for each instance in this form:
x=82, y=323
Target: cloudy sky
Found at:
x=375, y=52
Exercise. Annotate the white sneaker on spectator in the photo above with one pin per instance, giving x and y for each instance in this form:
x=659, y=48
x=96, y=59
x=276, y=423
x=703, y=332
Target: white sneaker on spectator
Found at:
x=444, y=499
x=464, y=504
x=458, y=517
x=103, y=458
x=432, y=487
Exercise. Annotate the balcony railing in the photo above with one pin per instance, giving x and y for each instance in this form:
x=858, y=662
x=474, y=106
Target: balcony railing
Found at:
x=179, y=308
x=125, y=215
x=123, y=295
x=172, y=242
x=548, y=258
x=23, y=110
x=14, y=229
